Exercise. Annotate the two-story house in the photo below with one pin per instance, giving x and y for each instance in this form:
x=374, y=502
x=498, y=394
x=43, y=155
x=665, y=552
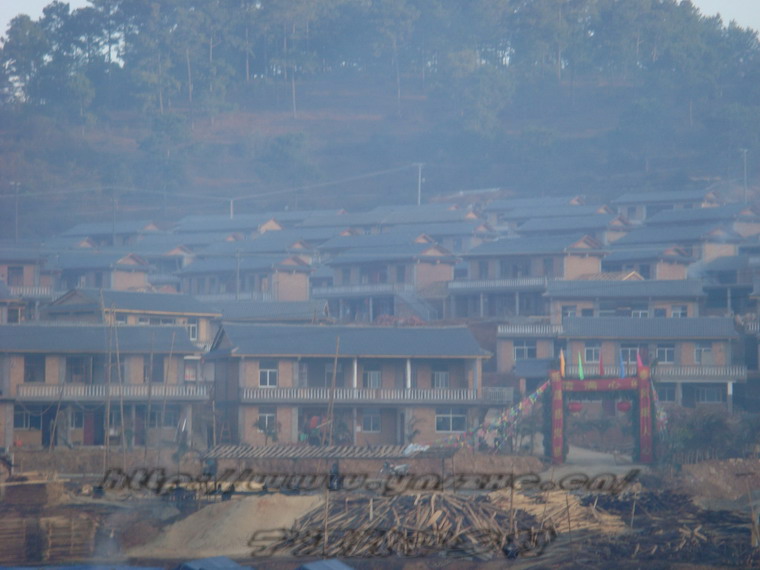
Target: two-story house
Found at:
x=385, y=385
x=82, y=384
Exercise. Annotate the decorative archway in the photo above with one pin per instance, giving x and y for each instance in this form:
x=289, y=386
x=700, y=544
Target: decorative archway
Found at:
x=639, y=385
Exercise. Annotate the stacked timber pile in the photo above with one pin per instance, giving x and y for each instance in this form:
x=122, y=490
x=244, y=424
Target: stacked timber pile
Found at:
x=562, y=510
x=13, y=539
x=416, y=525
x=664, y=527
x=67, y=537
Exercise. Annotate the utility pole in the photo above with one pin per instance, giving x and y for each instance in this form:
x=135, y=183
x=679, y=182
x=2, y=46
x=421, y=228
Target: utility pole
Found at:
x=419, y=182
x=232, y=208
x=744, y=158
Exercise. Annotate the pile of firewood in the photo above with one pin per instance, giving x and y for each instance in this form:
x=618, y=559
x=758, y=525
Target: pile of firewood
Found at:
x=416, y=525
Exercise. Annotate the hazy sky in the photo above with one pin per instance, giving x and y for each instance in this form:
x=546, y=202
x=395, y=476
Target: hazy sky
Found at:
x=745, y=12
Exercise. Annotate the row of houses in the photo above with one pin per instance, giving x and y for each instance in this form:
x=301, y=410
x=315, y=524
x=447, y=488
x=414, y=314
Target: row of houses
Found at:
x=404, y=324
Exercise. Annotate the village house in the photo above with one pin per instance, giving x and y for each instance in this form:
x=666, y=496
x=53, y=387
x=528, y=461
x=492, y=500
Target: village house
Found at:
x=640, y=206
x=395, y=281
x=605, y=228
x=392, y=385
x=110, y=307
x=112, y=234
x=76, y=384
x=508, y=277
x=101, y=270
x=656, y=262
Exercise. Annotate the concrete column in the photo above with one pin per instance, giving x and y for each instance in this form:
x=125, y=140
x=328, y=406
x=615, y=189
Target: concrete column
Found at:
x=371, y=310
x=482, y=305
x=517, y=303
x=730, y=397
x=679, y=394
x=356, y=379
x=408, y=373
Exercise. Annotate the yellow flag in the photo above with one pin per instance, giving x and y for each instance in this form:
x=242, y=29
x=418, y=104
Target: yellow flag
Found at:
x=562, y=362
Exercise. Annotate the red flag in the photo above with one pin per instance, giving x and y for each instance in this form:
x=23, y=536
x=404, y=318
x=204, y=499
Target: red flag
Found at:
x=601, y=365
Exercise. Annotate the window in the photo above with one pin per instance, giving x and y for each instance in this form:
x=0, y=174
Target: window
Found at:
x=191, y=369
x=153, y=368
x=504, y=268
x=587, y=312
x=192, y=329
x=660, y=313
x=401, y=274
x=267, y=421
x=450, y=419
x=143, y=321
x=268, y=373
x=121, y=318
x=34, y=368
x=79, y=369
x=593, y=351
x=568, y=311
x=679, y=311
x=441, y=378
x=525, y=349
x=640, y=314
x=329, y=374
x=170, y=416
x=666, y=393
x=77, y=419
x=345, y=275
x=666, y=353
x=26, y=420
x=628, y=352
x=645, y=270
x=371, y=420
x=483, y=269
x=710, y=394
x=15, y=276
x=372, y=378
x=703, y=353
x=14, y=315
x=548, y=264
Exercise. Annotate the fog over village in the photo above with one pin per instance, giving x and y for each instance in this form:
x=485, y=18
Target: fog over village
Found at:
x=379, y=284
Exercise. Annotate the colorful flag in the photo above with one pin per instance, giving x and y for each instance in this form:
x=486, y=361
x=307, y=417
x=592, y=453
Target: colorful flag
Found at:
x=562, y=362
x=639, y=363
x=601, y=365
x=622, y=366
x=580, y=367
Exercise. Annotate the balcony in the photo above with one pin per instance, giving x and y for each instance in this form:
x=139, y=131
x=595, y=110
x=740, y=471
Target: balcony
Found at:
x=362, y=290
x=495, y=396
x=513, y=284
x=102, y=392
x=530, y=329
x=668, y=373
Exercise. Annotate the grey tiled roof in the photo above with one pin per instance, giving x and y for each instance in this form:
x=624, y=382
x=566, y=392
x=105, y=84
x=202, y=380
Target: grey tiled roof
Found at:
x=108, y=228
x=272, y=311
x=400, y=252
x=228, y=264
x=131, y=301
x=513, y=203
x=652, y=328
x=654, y=197
x=671, y=289
x=697, y=215
x=568, y=224
x=547, y=211
x=678, y=235
x=85, y=259
x=526, y=246
x=638, y=253
x=55, y=338
x=368, y=341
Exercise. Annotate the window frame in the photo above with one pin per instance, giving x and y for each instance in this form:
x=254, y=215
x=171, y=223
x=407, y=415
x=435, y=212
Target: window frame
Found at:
x=268, y=373
x=524, y=348
x=446, y=418
x=592, y=352
x=371, y=420
x=664, y=350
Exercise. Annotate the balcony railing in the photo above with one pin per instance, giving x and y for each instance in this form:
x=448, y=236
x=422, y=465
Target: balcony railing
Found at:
x=516, y=283
x=752, y=327
x=364, y=289
x=667, y=372
x=496, y=396
x=242, y=296
x=528, y=329
x=101, y=392
x=34, y=292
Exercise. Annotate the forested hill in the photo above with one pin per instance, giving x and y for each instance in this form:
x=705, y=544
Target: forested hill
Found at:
x=232, y=97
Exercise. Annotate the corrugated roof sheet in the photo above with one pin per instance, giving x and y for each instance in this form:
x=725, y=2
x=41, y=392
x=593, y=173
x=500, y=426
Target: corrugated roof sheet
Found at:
x=568, y=224
x=400, y=252
x=272, y=311
x=679, y=235
x=108, y=228
x=697, y=215
x=359, y=341
x=652, y=328
x=76, y=338
x=675, y=289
